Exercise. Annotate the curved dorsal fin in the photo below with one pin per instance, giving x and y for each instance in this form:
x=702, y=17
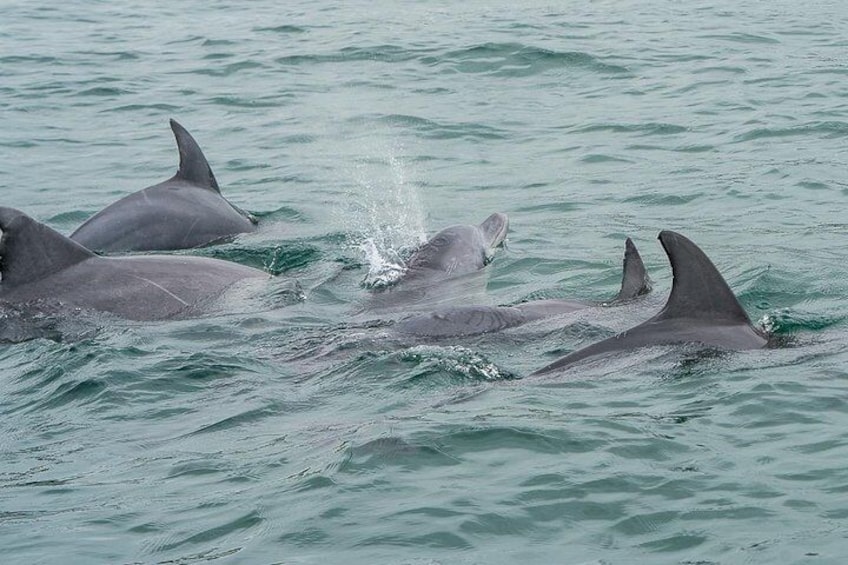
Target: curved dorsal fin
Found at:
x=634, y=280
x=698, y=289
x=30, y=251
x=193, y=165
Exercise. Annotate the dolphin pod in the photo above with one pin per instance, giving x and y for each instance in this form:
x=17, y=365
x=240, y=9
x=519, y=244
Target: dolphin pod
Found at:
x=476, y=320
x=40, y=264
x=701, y=309
x=182, y=212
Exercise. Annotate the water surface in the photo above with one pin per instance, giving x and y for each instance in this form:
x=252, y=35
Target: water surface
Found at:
x=307, y=433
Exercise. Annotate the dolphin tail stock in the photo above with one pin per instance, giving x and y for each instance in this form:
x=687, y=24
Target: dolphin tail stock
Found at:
x=635, y=281
x=194, y=167
x=30, y=250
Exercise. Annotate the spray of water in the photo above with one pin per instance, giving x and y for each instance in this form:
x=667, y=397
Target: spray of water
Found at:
x=383, y=215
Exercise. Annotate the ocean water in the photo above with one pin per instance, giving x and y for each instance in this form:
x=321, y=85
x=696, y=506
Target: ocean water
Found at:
x=282, y=430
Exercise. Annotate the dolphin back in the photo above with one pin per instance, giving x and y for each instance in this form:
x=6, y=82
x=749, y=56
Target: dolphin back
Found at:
x=700, y=309
x=194, y=167
x=30, y=251
x=463, y=321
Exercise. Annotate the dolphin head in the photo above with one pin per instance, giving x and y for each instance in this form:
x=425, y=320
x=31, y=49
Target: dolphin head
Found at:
x=461, y=249
x=494, y=230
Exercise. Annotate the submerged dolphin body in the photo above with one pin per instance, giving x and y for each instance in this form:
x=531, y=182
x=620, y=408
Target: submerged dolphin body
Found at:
x=475, y=320
x=39, y=265
x=185, y=211
x=442, y=268
x=701, y=309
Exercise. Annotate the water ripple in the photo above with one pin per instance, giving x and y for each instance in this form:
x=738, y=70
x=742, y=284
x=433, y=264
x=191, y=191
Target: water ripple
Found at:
x=517, y=60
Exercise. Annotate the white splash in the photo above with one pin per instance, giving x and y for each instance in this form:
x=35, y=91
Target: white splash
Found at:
x=383, y=218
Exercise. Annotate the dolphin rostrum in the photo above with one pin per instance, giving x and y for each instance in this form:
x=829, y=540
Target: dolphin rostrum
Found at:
x=182, y=212
x=39, y=265
x=475, y=320
x=701, y=309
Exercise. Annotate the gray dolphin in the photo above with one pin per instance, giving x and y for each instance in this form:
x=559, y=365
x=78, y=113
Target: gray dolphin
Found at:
x=444, y=268
x=39, y=265
x=455, y=251
x=701, y=309
x=185, y=211
x=475, y=320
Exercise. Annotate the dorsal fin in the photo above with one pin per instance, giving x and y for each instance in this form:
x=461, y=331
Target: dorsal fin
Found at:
x=634, y=279
x=194, y=167
x=30, y=251
x=698, y=289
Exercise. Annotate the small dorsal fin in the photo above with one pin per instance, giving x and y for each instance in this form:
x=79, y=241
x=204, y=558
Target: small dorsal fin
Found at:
x=30, y=250
x=194, y=167
x=634, y=279
x=698, y=289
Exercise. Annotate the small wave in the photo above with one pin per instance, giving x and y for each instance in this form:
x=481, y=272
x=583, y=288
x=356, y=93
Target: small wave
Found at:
x=650, y=128
x=829, y=129
x=233, y=528
x=37, y=59
x=394, y=451
x=102, y=91
x=742, y=38
x=248, y=417
x=437, y=130
x=788, y=321
x=116, y=55
x=518, y=60
x=226, y=70
x=467, y=441
x=378, y=53
x=600, y=158
x=663, y=199
x=275, y=259
x=217, y=42
x=240, y=102
x=136, y=107
x=87, y=390
x=282, y=29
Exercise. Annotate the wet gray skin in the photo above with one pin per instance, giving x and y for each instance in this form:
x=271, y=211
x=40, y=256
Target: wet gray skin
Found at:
x=185, y=211
x=701, y=309
x=475, y=320
x=445, y=268
x=38, y=265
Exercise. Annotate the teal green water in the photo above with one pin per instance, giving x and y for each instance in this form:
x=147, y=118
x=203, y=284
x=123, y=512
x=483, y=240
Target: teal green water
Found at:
x=302, y=433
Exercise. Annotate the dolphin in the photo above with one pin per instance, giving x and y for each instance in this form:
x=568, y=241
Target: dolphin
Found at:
x=701, y=309
x=41, y=266
x=475, y=320
x=185, y=211
x=444, y=265
x=456, y=250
